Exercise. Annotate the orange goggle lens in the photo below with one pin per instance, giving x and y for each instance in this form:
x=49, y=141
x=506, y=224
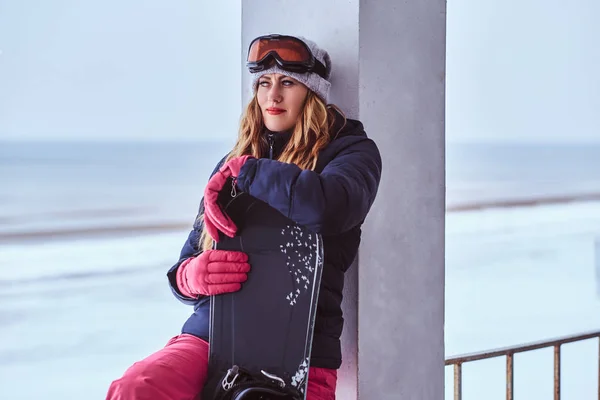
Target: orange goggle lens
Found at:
x=288, y=49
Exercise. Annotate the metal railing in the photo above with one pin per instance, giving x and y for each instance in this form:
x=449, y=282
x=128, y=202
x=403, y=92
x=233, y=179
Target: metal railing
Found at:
x=509, y=353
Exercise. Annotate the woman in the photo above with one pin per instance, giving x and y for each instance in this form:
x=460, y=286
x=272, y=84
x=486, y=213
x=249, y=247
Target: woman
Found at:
x=303, y=158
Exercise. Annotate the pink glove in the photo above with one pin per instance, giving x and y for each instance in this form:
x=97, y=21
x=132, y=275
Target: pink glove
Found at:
x=215, y=219
x=213, y=272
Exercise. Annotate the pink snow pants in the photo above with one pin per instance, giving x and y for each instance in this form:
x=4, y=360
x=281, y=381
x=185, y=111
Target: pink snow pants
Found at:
x=179, y=370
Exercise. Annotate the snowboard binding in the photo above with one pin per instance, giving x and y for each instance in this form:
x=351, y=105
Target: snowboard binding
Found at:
x=240, y=384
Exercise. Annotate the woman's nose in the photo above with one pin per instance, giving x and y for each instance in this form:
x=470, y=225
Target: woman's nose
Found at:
x=275, y=94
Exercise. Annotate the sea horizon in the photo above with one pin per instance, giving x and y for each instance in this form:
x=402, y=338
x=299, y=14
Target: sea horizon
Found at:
x=60, y=189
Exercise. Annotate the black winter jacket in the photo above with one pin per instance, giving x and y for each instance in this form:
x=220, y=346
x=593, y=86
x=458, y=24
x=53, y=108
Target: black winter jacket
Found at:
x=333, y=200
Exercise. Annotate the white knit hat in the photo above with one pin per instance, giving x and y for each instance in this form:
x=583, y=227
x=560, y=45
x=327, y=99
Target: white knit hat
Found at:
x=312, y=80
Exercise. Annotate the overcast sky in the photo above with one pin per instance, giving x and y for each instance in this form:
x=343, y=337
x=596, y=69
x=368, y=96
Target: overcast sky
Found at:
x=516, y=69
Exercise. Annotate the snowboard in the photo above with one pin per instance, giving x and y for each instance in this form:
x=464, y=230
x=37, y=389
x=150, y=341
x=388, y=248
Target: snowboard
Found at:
x=265, y=330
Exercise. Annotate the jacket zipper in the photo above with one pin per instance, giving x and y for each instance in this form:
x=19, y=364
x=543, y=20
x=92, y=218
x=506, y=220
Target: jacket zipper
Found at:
x=271, y=146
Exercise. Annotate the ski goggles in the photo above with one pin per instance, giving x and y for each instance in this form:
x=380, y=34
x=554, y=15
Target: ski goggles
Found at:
x=288, y=52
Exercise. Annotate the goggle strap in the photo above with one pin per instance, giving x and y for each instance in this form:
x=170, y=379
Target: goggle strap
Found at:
x=320, y=69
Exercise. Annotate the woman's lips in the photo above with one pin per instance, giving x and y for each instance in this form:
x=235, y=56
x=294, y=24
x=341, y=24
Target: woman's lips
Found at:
x=275, y=111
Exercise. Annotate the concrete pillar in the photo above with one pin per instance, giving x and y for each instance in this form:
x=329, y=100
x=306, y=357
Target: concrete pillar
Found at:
x=395, y=85
x=401, y=263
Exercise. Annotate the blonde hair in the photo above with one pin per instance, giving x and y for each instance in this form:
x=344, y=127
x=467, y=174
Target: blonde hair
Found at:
x=312, y=132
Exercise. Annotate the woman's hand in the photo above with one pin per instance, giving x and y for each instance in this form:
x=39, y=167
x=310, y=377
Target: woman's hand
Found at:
x=213, y=272
x=215, y=219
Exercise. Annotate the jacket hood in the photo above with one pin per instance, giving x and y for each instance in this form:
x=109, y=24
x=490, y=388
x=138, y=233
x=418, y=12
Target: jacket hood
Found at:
x=347, y=127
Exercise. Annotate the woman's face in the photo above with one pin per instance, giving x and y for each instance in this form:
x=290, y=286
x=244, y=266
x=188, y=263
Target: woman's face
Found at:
x=281, y=100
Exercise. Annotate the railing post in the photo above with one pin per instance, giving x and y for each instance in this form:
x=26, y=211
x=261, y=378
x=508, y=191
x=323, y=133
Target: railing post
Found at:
x=557, y=372
x=458, y=381
x=509, y=376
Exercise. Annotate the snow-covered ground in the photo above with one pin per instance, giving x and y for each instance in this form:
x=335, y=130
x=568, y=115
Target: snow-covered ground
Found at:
x=522, y=275
x=75, y=314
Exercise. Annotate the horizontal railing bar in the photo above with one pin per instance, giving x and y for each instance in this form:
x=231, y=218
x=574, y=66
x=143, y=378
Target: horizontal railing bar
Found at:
x=520, y=348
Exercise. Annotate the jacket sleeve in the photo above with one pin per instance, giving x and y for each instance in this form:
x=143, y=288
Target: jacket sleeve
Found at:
x=330, y=202
x=190, y=249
